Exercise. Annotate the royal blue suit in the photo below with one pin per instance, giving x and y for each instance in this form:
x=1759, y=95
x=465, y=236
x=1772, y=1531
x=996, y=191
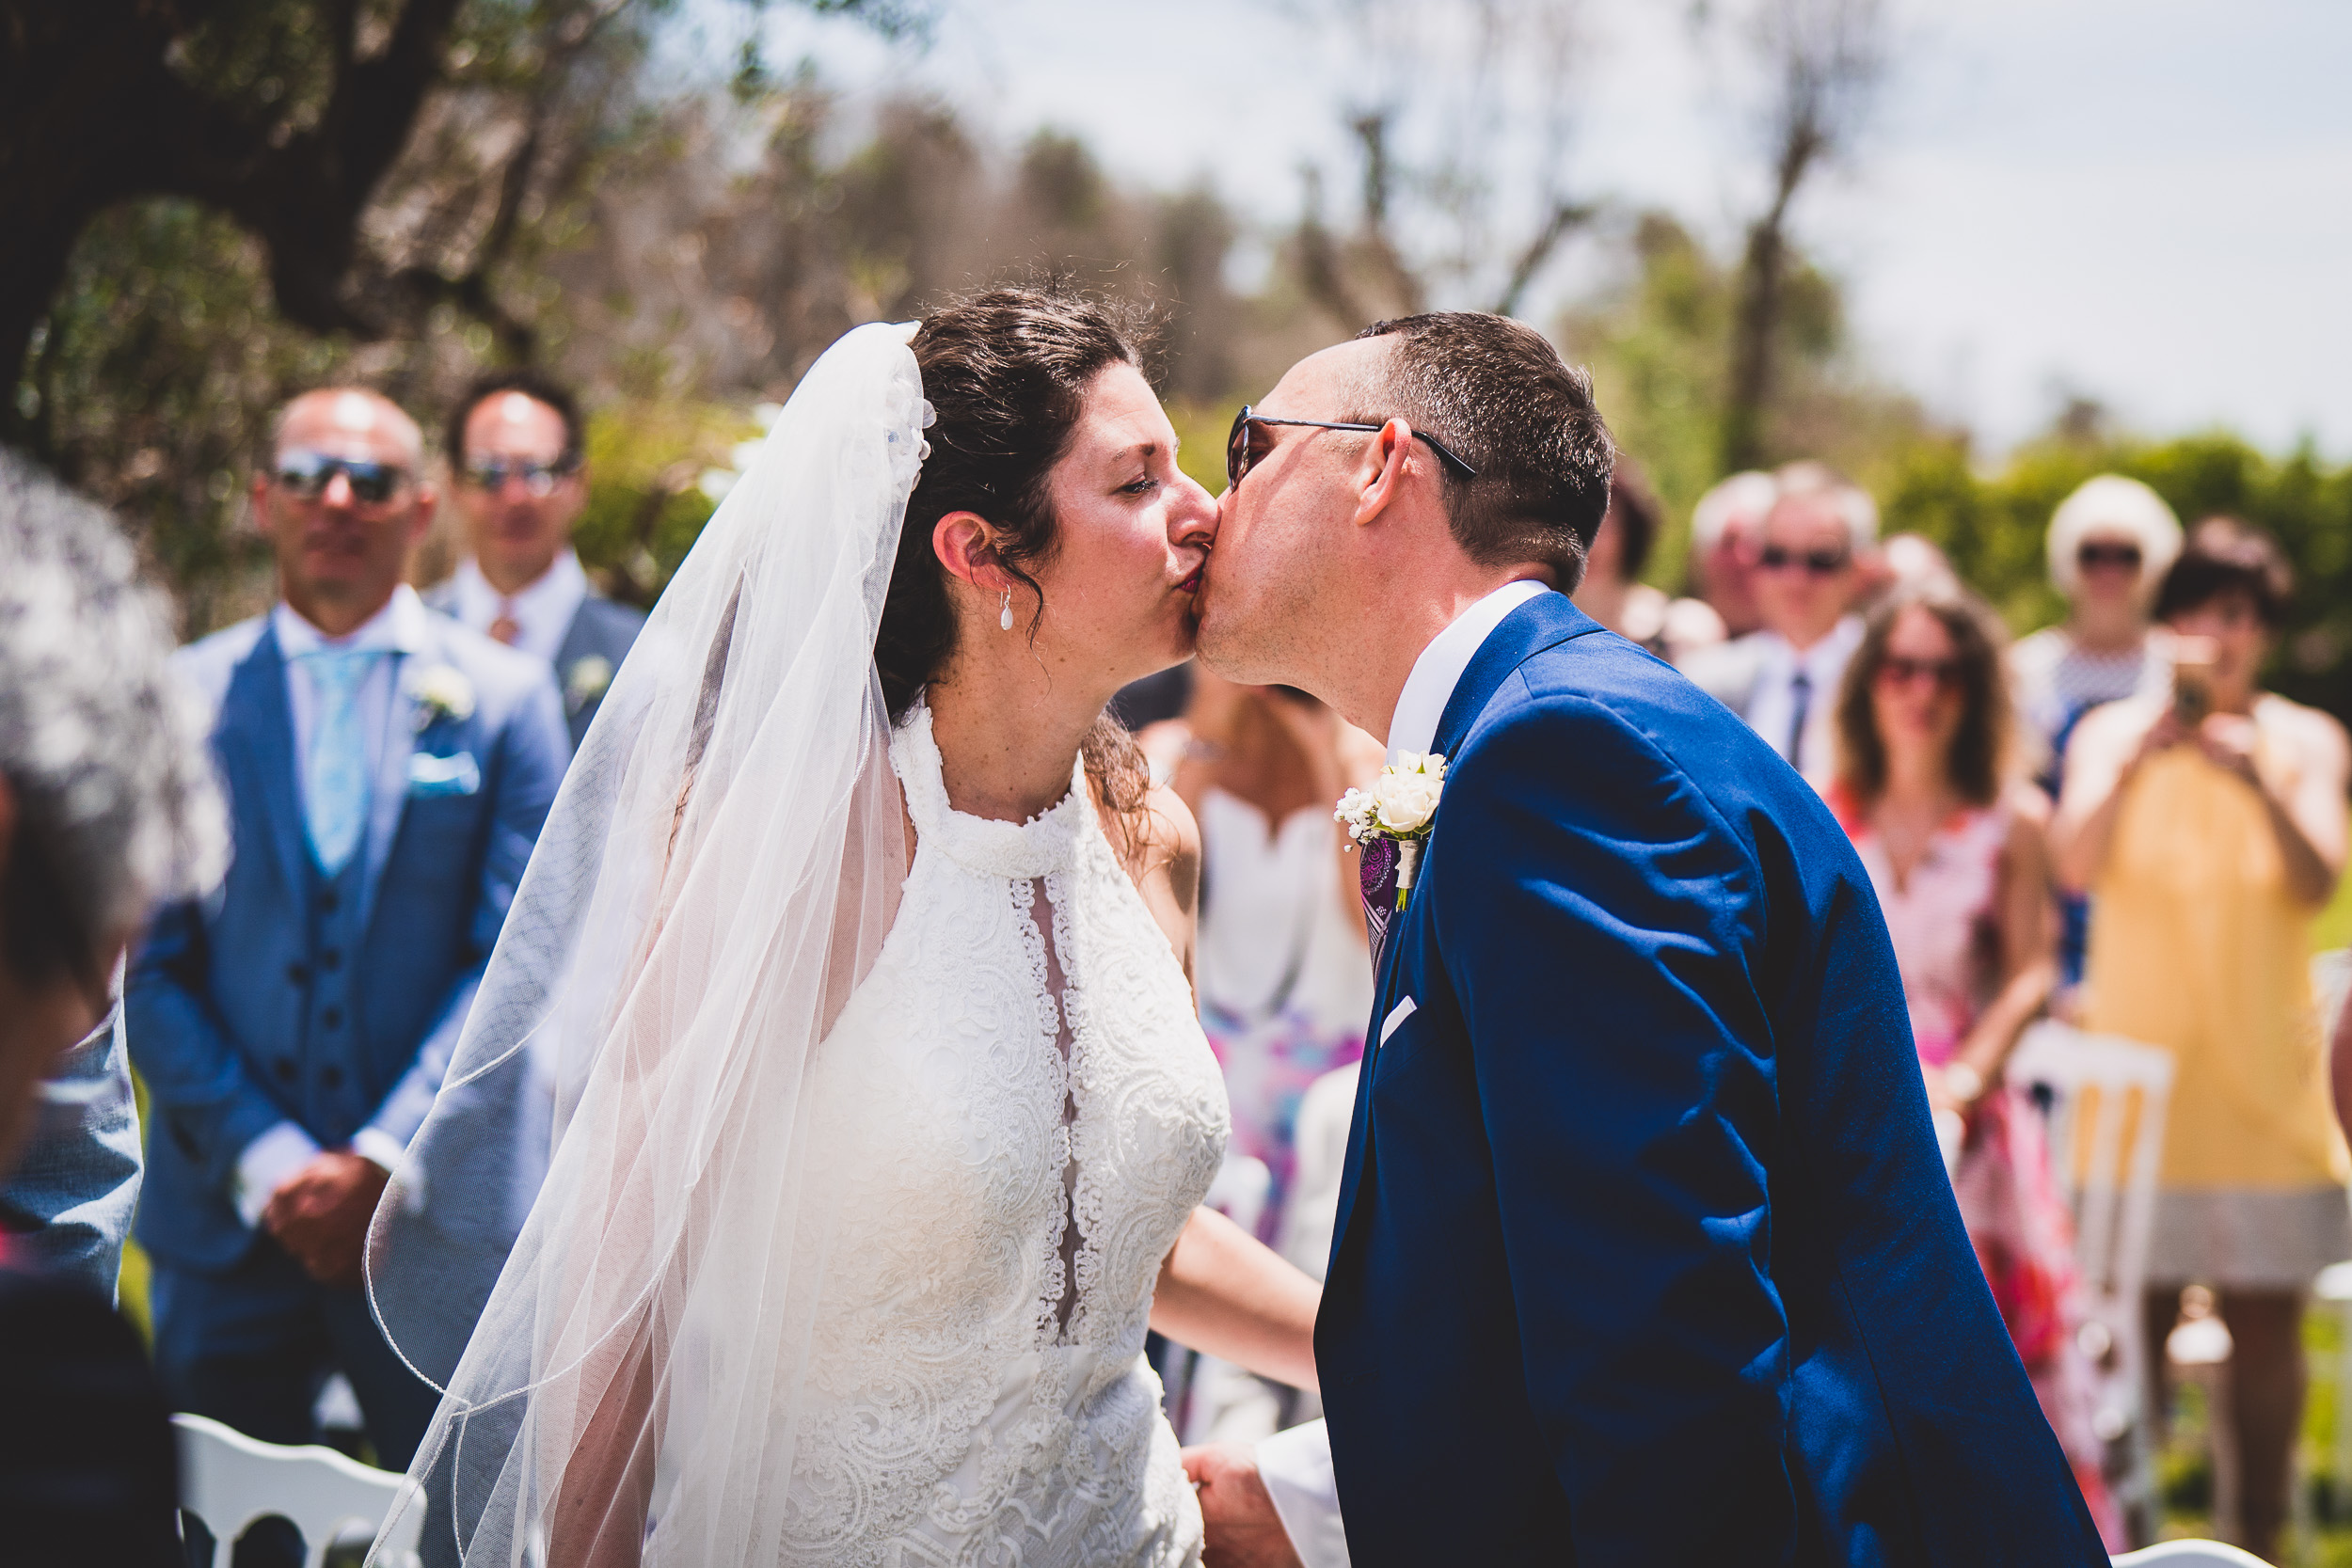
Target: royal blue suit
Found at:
x=333, y=1003
x=1645, y=1253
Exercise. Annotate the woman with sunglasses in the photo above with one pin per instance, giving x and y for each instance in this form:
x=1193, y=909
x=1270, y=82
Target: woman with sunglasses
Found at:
x=1959, y=855
x=2110, y=543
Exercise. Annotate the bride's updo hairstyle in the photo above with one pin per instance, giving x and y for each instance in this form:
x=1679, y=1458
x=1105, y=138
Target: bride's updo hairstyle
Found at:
x=1007, y=372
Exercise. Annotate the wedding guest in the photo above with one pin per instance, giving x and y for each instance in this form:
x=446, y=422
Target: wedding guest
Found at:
x=388, y=772
x=2110, y=544
x=107, y=804
x=1725, y=530
x=1813, y=560
x=1612, y=591
x=1283, y=969
x=2209, y=829
x=520, y=483
x=1957, y=853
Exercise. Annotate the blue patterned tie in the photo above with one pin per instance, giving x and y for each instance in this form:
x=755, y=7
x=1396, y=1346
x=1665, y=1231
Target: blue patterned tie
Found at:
x=335, y=774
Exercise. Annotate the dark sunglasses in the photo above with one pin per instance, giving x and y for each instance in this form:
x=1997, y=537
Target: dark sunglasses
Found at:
x=539, y=479
x=305, y=475
x=1821, y=563
x=1895, y=670
x=2095, y=554
x=1238, y=456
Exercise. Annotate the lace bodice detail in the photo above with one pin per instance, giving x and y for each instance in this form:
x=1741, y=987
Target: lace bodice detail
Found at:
x=1015, y=1115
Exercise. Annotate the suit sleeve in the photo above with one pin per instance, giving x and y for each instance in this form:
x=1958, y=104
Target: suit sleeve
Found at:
x=68, y=1202
x=533, y=749
x=198, y=1083
x=1594, y=914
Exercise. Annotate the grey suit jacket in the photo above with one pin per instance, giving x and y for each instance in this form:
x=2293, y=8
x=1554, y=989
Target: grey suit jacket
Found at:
x=601, y=633
x=1729, y=671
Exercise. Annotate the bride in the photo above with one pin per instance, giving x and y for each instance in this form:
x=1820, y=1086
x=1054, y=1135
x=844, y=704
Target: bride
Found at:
x=853, y=956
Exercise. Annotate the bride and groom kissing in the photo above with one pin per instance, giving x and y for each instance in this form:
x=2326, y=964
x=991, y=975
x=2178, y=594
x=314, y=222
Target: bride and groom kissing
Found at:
x=855, y=951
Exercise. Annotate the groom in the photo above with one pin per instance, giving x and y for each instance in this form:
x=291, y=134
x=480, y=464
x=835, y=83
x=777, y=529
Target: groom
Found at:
x=1645, y=1251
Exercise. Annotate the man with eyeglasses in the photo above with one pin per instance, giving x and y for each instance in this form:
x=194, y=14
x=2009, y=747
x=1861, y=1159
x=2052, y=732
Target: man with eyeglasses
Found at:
x=388, y=772
x=521, y=484
x=1812, y=565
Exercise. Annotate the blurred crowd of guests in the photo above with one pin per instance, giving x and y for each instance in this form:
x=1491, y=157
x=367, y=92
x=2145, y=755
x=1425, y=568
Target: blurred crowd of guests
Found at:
x=2109, y=820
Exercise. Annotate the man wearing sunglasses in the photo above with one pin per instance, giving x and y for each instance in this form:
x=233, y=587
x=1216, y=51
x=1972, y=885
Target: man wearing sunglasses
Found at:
x=521, y=482
x=1644, y=1252
x=388, y=772
x=1812, y=565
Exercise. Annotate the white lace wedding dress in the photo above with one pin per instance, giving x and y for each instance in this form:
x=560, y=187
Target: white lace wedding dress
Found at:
x=1017, y=1113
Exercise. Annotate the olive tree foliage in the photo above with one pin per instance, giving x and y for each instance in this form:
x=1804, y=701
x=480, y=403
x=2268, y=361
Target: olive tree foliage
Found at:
x=1816, y=68
x=1461, y=118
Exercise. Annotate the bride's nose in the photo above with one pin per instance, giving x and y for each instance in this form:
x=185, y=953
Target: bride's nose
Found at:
x=1193, y=519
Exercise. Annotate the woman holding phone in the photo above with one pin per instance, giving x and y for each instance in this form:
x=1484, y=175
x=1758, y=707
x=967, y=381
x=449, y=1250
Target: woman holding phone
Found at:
x=2209, y=830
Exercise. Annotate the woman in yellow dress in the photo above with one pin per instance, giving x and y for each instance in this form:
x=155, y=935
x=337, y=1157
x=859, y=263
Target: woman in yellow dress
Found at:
x=2208, y=830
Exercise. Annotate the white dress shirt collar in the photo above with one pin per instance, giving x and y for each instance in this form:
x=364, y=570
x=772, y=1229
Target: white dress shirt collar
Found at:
x=1421, y=707
x=1825, y=660
x=400, y=627
x=542, y=609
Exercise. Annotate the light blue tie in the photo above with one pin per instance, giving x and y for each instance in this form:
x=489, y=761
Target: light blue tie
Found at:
x=335, y=774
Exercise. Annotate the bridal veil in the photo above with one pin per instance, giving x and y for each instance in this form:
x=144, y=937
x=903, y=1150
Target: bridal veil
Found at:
x=719, y=870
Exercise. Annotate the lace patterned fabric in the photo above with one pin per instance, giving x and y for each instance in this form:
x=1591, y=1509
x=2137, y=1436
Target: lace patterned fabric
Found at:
x=1015, y=1119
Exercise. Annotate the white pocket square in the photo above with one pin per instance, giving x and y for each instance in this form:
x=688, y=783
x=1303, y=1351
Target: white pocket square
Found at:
x=450, y=775
x=1397, y=1015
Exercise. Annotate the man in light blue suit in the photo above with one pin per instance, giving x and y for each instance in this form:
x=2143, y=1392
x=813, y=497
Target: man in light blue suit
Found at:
x=388, y=772
x=1645, y=1251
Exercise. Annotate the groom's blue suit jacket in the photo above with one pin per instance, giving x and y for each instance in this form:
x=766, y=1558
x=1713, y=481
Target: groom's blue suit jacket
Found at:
x=1645, y=1253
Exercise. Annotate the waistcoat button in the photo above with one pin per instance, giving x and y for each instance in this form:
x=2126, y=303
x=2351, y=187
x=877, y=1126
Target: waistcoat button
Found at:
x=331, y=1017
x=331, y=1077
x=298, y=972
x=331, y=959
x=285, y=1067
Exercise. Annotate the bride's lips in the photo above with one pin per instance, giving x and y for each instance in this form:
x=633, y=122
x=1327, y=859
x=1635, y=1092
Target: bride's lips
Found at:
x=1192, y=583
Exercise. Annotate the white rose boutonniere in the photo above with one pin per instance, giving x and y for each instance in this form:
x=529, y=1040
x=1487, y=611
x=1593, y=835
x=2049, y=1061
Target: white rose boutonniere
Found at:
x=441, y=693
x=1396, y=813
x=588, y=678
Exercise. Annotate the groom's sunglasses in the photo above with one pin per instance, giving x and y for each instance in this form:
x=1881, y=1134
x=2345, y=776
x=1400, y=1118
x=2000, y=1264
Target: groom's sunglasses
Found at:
x=1240, y=453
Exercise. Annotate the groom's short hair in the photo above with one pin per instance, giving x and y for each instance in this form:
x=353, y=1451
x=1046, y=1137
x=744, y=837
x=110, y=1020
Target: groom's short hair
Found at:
x=1498, y=394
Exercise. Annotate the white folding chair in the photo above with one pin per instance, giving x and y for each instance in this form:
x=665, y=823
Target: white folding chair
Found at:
x=229, y=1480
x=2107, y=1099
x=2189, y=1553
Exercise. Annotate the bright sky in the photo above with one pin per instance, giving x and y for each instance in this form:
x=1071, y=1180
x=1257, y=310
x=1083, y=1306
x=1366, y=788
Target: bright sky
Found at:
x=2145, y=201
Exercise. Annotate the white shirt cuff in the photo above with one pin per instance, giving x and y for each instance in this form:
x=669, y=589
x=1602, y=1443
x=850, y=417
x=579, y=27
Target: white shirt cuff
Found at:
x=1295, y=1466
x=375, y=1143
x=265, y=1165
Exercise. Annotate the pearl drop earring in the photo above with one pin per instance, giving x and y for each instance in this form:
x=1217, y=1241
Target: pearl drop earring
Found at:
x=1004, y=621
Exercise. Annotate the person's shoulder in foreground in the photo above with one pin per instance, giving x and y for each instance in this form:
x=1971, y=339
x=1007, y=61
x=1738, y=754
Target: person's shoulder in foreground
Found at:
x=87, y=1473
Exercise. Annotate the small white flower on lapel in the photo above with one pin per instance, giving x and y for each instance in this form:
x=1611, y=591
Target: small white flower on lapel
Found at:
x=1400, y=806
x=441, y=691
x=587, y=682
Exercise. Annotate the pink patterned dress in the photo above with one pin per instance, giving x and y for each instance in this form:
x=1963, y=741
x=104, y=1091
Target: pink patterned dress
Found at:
x=1944, y=920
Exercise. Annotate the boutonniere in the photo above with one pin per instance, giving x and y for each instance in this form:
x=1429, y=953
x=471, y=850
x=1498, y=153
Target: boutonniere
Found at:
x=1399, y=807
x=441, y=693
x=587, y=681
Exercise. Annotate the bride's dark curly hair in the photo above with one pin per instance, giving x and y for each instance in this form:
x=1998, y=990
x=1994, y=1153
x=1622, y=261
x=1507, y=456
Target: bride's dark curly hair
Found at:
x=1006, y=370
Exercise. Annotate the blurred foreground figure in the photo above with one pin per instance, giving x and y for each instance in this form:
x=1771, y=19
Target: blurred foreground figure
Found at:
x=1815, y=558
x=388, y=772
x=1612, y=591
x=1727, y=528
x=521, y=485
x=106, y=805
x=1957, y=853
x=2209, y=830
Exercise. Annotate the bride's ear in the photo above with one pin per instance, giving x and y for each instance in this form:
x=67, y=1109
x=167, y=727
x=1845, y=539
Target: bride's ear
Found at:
x=966, y=546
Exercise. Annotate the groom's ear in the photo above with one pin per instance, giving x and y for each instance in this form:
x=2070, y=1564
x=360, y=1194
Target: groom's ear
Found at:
x=1379, y=476
x=966, y=546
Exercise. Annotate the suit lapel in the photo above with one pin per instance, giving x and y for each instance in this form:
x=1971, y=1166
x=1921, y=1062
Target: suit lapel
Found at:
x=1544, y=621
x=257, y=718
x=579, y=643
